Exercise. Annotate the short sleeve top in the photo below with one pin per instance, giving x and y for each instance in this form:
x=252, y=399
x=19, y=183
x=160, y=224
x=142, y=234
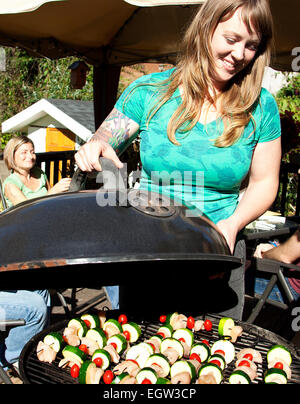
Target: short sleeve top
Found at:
x=196, y=173
x=28, y=193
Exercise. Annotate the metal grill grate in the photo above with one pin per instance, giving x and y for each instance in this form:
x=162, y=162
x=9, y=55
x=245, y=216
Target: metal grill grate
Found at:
x=35, y=372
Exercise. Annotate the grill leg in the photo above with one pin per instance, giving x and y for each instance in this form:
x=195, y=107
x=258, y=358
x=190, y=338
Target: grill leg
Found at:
x=262, y=300
x=64, y=303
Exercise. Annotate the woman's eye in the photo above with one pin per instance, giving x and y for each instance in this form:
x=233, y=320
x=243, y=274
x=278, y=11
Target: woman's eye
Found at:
x=230, y=40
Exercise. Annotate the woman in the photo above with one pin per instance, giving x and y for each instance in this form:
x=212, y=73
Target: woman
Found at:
x=26, y=181
x=288, y=252
x=31, y=306
x=207, y=115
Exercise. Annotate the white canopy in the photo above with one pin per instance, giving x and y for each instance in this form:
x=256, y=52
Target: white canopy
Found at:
x=118, y=32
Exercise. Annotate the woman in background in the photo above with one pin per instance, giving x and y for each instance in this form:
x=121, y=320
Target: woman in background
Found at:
x=26, y=181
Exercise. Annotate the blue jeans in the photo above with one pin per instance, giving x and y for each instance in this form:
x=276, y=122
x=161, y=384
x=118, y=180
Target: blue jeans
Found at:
x=261, y=284
x=113, y=295
x=34, y=308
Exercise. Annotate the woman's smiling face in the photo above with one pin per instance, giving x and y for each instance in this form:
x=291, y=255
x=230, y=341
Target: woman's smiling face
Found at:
x=25, y=157
x=233, y=48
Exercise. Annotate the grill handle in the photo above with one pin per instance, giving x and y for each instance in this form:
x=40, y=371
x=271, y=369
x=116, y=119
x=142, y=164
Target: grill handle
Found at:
x=79, y=177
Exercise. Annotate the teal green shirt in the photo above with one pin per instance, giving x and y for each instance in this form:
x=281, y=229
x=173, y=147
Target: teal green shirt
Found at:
x=29, y=193
x=197, y=173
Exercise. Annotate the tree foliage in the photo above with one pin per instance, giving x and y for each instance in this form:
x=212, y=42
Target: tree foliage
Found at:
x=28, y=79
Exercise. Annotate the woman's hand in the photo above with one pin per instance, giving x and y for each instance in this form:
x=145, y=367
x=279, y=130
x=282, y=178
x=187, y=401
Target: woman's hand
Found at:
x=261, y=249
x=88, y=155
x=229, y=230
x=62, y=186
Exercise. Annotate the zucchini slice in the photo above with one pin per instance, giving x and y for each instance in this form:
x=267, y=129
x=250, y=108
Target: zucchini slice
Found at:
x=91, y=320
x=84, y=372
x=225, y=327
x=239, y=377
x=79, y=325
x=219, y=359
x=148, y=374
x=134, y=331
x=171, y=317
x=227, y=347
x=140, y=353
x=202, y=350
x=74, y=354
x=163, y=380
x=161, y=361
x=183, y=366
x=121, y=377
x=120, y=341
x=104, y=355
x=185, y=335
x=165, y=330
x=54, y=340
x=279, y=352
x=172, y=343
x=213, y=369
x=98, y=335
x=114, y=324
x=275, y=375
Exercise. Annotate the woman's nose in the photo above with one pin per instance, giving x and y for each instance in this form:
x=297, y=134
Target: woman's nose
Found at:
x=238, y=53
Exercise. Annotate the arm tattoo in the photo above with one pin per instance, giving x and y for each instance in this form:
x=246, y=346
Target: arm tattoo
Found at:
x=115, y=130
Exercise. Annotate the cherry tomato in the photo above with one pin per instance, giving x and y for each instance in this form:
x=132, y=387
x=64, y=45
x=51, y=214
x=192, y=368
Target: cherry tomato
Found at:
x=216, y=362
x=75, y=371
x=127, y=335
x=122, y=319
x=113, y=344
x=161, y=334
x=108, y=377
x=98, y=362
x=146, y=381
x=87, y=323
x=204, y=341
x=278, y=365
x=196, y=357
x=163, y=318
x=248, y=356
x=207, y=325
x=182, y=340
x=244, y=363
x=219, y=351
x=132, y=360
x=153, y=346
x=83, y=348
x=190, y=322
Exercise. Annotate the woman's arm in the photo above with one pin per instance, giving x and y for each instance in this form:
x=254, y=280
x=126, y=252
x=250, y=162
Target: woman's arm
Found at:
x=110, y=139
x=287, y=252
x=14, y=194
x=261, y=190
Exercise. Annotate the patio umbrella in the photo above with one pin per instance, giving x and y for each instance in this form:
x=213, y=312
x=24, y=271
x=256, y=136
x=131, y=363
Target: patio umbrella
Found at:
x=118, y=32
x=112, y=33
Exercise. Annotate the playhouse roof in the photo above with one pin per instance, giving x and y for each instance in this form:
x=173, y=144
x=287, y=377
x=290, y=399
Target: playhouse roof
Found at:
x=75, y=115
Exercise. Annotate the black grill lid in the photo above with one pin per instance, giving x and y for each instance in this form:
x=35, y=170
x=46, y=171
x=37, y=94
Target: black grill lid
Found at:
x=73, y=230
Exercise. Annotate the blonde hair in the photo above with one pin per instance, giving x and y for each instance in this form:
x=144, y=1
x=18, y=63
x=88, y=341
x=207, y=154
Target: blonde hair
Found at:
x=11, y=147
x=196, y=65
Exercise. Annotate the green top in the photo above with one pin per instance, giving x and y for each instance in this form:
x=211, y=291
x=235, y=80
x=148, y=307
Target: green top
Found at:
x=28, y=193
x=196, y=173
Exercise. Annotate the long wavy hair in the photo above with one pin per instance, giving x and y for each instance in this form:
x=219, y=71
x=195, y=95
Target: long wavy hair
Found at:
x=195, y=69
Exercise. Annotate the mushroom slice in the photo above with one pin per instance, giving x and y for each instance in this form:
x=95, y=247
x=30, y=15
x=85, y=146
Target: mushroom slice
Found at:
x=45, y=353
x=181, y=378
